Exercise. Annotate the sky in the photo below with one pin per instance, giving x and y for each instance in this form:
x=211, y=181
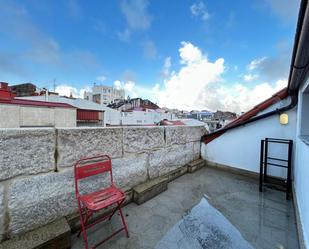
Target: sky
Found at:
x=185, y=54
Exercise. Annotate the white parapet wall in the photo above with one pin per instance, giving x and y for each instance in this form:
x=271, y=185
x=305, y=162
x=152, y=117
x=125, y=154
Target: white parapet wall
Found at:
x=240, y=147
x=36, y=166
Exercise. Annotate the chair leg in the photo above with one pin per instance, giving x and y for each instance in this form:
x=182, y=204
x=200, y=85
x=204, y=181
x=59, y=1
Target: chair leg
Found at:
x=83, y=230
x=115, y=209
x=85, y=222
x=124, y=222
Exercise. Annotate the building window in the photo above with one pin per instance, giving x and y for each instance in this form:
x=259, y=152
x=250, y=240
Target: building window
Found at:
x=104, y=90
x=96, y=98
x=304, y=115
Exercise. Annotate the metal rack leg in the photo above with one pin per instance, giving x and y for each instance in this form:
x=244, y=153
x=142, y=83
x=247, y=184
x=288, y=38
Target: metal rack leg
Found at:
x=265, y=159
x=261, y=166
x=289, y=177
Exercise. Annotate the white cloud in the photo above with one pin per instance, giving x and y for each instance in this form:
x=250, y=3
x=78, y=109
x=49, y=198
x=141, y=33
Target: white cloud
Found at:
x=166, y=67
x=133, y=90
x=250, y=77
x=67, y=90
x=183, y=88
x=128, y=86
x=136, y=15
x=101, y=78
x=199, y=10
x=189, y=53
x=272, y=68
x=255, y=63
x=118, y=85
x=199, y=84
x=241, y=98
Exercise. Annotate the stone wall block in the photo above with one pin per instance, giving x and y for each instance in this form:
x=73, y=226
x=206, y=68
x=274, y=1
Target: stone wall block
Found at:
x=175, y=135
x=194, y=133
x=141, y=139
x=196, y=150
x=170, y=158
x=38, y=200
x=75, y=143
x=26, y=151
x=2, y=214
x=130, y=171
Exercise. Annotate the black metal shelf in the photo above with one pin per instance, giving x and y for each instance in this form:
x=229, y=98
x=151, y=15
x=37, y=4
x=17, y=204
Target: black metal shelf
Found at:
x=265, y=160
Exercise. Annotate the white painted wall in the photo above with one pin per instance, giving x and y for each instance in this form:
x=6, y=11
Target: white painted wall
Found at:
x=301, y=180
x=9, y=116
x=36, y=116
x=240, y=147
x=15, y=116
x=148, y=117
x=112, y=117
x=64, y=117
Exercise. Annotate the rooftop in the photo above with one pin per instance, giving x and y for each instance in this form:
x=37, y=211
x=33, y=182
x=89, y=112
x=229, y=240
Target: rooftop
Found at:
x=265, y=220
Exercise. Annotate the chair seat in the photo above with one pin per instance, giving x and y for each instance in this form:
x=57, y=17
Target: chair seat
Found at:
x=102, y=198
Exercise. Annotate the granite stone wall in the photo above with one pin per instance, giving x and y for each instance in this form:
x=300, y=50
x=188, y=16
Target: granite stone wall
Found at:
x=36, y=166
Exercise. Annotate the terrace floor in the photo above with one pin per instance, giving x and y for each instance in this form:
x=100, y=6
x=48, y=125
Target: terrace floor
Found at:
x=265, y=220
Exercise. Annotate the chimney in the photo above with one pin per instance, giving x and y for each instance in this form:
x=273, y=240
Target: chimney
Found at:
x=5, y=91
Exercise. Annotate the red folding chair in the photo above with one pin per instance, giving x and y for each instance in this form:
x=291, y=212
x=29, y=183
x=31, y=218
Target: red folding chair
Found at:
x=90, y=203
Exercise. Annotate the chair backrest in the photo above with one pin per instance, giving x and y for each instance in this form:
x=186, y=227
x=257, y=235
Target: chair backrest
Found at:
x=91, y=166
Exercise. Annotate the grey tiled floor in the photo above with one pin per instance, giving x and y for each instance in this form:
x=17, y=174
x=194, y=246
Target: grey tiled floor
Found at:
x=265, y=219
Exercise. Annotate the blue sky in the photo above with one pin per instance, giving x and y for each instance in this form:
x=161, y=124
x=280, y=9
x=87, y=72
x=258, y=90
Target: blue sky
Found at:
x=179, y=53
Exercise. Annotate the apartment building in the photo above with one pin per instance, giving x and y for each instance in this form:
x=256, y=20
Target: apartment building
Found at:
x=104, y=95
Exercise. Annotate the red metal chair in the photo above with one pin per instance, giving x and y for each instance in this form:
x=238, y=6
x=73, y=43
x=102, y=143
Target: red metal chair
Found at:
x=90, y=203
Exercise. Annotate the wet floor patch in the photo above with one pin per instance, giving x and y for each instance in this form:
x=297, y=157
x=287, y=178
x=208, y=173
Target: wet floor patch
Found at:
x=204, y=227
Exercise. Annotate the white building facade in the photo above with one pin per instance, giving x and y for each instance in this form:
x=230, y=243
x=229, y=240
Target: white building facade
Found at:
x=104, y=95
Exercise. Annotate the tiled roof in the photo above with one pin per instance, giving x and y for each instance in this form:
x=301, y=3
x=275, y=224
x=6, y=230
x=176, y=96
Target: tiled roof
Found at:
x=282, y=94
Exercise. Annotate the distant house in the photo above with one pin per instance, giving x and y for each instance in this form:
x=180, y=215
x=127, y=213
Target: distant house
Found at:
x=87, y=113
x=26, y=89
x=220, y=115
x=134, y=104
x=16, y=113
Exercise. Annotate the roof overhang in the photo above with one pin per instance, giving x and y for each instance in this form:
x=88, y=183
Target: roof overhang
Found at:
x=300, y=56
